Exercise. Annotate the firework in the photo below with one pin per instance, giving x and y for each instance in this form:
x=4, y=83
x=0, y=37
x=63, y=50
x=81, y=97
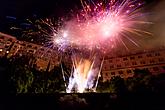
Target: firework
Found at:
x=84, y=74
x=98, y=26
x=103, y=25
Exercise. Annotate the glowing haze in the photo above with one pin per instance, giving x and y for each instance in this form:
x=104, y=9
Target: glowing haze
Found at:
x=102, y=25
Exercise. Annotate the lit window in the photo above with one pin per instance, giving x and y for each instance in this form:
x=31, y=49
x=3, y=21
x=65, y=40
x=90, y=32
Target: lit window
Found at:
x=1, y=50
x=7, y=51
x=161, y=59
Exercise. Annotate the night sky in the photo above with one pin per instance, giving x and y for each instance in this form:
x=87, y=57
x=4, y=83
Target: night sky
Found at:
x=13, y=11
x=24, y=8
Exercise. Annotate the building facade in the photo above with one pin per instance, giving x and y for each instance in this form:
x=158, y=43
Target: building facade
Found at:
x=124, y=66
x=43, y=56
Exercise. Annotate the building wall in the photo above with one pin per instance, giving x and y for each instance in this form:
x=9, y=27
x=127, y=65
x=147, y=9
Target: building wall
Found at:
x=123, y=66
x=10, y=46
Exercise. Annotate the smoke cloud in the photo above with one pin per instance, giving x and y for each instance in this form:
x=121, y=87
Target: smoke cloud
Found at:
x=158, y=27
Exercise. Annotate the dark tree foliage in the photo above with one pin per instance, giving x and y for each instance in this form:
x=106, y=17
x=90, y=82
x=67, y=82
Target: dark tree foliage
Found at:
x=23, y=77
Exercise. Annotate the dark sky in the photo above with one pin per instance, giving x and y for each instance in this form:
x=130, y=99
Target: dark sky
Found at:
x=22, y=9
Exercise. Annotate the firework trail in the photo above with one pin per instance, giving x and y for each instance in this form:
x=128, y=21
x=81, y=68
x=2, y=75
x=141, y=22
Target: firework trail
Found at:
x=104, y=25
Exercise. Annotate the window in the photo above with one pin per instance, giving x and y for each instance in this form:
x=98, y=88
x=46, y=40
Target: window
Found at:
x=6, y=47
x=134, y=63
x=161, y=59
x=10, y=40
x=157, y=54
x=2, y=37
x=29, y=46
x=111, y=66
x=119, y=66
x=35, y=47
x=110, y=61
x=149, y=55
x=132, y=58
x=142, y=62
x=152, y=61
x=140, y=56
x=15, y=46
x=31, y=51
x=112, y=73
x=120, y=72
x=42, y=49
x=126, y=64
x=105, y=67
x=106, y=74
x=129, y=71
x=124, y=59
x=155, y=68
